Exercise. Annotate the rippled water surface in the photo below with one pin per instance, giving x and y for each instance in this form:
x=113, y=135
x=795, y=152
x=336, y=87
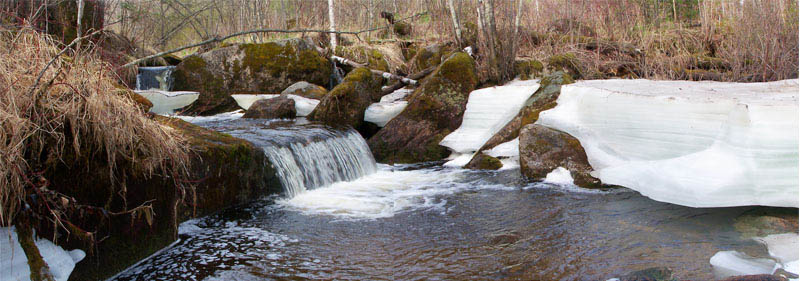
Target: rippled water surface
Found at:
x=426, y=222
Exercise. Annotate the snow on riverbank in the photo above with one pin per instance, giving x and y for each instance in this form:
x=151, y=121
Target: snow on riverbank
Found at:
x=14, y=263
x=488, y=110
x=698, y=144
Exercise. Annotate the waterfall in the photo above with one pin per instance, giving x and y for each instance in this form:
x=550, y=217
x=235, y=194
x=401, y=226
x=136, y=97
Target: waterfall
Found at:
x=155, y=77
x=321, y=159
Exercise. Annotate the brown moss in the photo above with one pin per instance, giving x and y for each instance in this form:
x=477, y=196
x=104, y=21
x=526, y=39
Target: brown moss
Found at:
x=486, y=162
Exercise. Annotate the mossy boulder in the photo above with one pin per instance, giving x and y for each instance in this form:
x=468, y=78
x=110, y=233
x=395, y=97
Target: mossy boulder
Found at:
x=306, y=90
x=544, y=99
x=346, y=103
x=565, y=62
x=542, y=150
x=268, y=67
x=274, y=108
x=371, y=57
x=528, y=68
x=486, y=162
x=225, y=171
x=428, y=56
x=434, y=110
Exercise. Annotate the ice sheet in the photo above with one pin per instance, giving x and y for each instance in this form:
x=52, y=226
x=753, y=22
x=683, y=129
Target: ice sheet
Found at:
x=166, y=102
x=14, y=263
x=697, y=144
x=488, y=110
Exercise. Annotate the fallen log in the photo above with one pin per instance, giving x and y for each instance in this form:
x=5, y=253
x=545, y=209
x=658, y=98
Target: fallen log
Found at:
x=386, y=75
x=416, y=76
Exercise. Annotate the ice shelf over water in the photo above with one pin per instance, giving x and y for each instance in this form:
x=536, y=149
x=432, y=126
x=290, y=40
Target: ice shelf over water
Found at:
x=14, y=263
x=488, y=110
x=388, y=108
x=304, y=106
x=697, y=144
x=166, y=102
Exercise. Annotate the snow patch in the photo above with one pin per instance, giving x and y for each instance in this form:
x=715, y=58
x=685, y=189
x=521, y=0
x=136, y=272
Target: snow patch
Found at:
x=488, y=110
x=166, y=102
x=388, y=108
x=697, y=144
x=14, y=263
x=560, y=176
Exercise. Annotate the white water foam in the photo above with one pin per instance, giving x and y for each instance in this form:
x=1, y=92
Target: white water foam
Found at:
x=384, y=193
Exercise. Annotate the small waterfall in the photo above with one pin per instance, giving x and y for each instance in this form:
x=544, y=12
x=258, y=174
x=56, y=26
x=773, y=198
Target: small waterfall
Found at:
x=314, y=162
x=155, y=77
x=337, y=75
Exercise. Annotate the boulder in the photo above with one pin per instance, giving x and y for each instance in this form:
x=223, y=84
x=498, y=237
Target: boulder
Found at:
x=428, y=56
x=274, y=108
x=434, y=110
x=225, y=171
x=528, y=68
x=268, y=67
x=372, y=58
x=346, y=103
x=544, y=99
x=542, y=150
x=306, y=90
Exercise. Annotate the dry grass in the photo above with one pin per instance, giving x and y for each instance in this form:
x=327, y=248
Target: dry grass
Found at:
x=77, y=109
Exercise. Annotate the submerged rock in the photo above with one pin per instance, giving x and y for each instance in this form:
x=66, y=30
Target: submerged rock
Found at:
x=543, y=150
x=434, y=110
x=650, y=274
x=306, y=90
x=345, y=104
x=268, y=67
x=275, y=108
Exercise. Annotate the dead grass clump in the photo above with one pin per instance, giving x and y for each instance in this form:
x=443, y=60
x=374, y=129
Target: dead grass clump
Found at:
x=76, y=109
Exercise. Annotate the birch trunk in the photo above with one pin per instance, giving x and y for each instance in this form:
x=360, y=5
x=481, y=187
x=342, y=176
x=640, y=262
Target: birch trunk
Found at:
x=456, y=28
x=78, y=29
x=333, y=25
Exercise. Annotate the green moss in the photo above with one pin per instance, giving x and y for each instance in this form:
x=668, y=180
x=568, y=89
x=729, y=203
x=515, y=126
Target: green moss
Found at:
x=528, y=69
x=38, y=267
x=277, y=59
x=373, y=58
x=486, y=162
x=429, y=56
x=565, y=62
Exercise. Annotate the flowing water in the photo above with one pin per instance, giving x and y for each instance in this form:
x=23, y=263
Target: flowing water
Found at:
x=346, y=218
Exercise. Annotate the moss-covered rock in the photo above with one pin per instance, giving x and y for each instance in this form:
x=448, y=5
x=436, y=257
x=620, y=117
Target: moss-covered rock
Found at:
x=428, y=56
x=346, y=103
x=268, y=67
x=225, y=171
x=763, y=221
x=435, y=109
x=486, y=162
x=544, y=99
x=528, y=68
x=306, y=90
x=541, y=150
x=565, y=62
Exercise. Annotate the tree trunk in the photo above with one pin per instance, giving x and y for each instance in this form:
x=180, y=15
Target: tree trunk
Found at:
x=78, y=28
x=456, y=28
x=332, y=25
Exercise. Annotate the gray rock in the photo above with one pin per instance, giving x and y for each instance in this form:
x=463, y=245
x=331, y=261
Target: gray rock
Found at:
x=274, y=108
x=541, y=150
